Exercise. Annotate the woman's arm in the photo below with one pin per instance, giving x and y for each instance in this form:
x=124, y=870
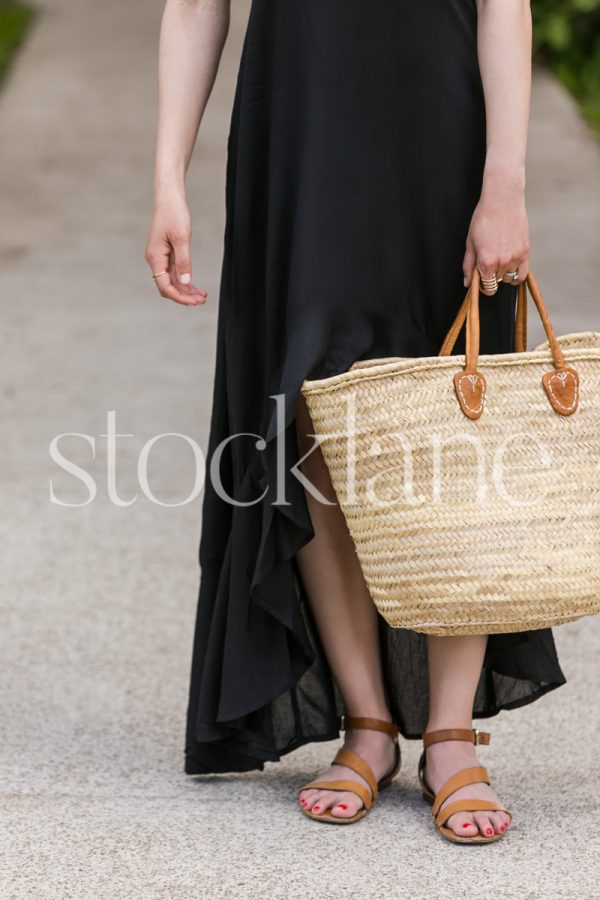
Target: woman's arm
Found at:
x=498, y=239
x=192, y=37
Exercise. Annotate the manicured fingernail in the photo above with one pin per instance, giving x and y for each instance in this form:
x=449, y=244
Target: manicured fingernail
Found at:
x=186, y=278
x=489, y=831
x=342, y=806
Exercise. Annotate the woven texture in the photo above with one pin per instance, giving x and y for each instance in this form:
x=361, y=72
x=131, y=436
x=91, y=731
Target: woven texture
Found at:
x=502, y=533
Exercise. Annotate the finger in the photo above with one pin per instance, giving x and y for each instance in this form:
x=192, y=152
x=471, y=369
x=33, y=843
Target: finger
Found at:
x=469, y=263
x=180, y=269
x=161, y=261
x=157, y=257
x=488, y=267
x=523, y=269
x=183, y=262
x=170, y=291
x=504, y=272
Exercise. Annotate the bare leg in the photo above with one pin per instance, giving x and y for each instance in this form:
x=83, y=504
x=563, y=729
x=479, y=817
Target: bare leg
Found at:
x=454, y=670
x=347, y=622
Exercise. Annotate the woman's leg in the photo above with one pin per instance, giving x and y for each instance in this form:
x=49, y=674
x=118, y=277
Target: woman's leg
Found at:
x=347, y=622
x=454, y=670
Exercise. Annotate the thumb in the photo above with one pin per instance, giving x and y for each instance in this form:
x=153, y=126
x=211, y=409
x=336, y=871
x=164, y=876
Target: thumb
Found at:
x=469, y=263
x=183, y=262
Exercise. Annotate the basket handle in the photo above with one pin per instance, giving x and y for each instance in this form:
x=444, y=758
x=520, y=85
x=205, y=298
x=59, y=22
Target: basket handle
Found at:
x=520, y=335
x=561, y=383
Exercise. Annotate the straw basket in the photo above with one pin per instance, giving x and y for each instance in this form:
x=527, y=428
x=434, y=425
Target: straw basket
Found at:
x=471, y=483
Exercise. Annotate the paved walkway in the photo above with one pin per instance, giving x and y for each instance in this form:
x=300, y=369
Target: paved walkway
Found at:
x=98, y=601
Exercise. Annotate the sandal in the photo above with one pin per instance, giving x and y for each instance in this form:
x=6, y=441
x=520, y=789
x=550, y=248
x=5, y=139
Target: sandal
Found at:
x=354, y=761
x=473, y=775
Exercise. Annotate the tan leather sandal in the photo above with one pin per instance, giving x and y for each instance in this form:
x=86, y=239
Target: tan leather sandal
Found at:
x=354, y=761
x=472, y=775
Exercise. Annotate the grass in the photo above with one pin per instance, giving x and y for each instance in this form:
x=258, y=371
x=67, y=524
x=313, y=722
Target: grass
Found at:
x=15, y=19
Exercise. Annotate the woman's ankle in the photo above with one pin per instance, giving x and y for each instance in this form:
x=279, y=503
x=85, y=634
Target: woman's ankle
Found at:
x=443, y=724
x=365, y=712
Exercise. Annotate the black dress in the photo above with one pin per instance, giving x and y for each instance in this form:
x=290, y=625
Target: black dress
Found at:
x=355, y=162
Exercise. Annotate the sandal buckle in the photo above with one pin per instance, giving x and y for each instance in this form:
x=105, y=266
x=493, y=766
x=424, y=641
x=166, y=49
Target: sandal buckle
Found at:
x=476, y=735
x=342, y=723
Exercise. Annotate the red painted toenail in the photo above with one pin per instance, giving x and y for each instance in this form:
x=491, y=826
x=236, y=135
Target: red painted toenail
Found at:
x=342, y=806
x=489, y=831
x=316, y=808
x=467, y=825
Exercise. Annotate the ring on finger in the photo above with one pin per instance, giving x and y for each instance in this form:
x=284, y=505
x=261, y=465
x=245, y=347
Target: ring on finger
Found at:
x=490, y=283
x=514, y=275
x=158, y=274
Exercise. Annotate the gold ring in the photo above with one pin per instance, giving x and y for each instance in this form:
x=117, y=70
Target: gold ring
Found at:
x=157, y=274
x=490, y=284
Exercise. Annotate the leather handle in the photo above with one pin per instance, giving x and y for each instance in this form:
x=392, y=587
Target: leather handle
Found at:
x=561, y=384
x=520, y=337
x=521, y=321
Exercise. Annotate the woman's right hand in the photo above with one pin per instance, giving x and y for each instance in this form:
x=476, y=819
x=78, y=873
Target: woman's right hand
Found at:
x=168, y=250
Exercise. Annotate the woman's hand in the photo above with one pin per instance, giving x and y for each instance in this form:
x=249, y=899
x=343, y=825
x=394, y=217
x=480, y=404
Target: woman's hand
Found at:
x=168, y=248
x=498, y=239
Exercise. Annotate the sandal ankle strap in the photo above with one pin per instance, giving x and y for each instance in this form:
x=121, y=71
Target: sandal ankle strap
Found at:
x=457, y=734
x=346, y=722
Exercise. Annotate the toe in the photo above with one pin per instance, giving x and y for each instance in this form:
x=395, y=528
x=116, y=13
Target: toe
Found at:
x=346, y=805
x=316, y=804
x=505, y=822
x=326, y=800
x=499, y=822
x=484, y=824
x=306, y=798
x=462, y=824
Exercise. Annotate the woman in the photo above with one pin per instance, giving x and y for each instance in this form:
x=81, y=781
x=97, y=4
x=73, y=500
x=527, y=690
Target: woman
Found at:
x=371, y=142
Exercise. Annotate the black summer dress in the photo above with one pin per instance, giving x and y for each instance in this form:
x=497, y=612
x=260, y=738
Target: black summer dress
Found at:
x=355, y=160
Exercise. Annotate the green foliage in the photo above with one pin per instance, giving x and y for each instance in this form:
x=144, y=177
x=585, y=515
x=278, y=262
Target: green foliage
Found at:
x=567, y=37
x=14, y=21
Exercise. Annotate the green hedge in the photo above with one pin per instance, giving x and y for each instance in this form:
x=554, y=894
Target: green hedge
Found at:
x=567, y=38
x=14, y=21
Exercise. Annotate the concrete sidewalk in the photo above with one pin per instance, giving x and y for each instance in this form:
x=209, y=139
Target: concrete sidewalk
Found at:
x=98, y=601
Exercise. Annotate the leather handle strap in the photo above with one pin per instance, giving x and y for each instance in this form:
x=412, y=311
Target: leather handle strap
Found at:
x=469, y=309
x=521, y=320
x=520, y=336
x=561, y=384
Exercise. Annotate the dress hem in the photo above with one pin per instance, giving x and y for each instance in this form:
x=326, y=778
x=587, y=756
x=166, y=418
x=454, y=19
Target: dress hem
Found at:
x=191, y=767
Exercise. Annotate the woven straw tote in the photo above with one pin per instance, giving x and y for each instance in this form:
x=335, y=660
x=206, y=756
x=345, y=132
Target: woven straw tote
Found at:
x=471, y=483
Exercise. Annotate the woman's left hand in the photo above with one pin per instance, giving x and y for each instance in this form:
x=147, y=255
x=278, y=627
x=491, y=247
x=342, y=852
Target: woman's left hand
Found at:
x=498, y=238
